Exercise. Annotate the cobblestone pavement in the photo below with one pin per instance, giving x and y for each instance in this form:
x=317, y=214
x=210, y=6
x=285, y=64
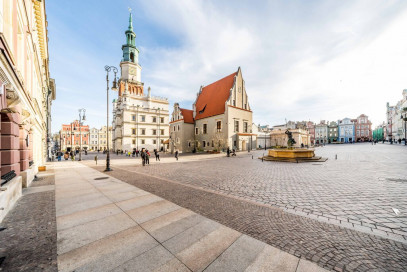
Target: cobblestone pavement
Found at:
x=29, y=241
x=358, y=190
x=364, y=183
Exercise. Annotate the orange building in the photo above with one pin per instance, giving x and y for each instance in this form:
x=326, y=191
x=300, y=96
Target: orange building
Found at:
x=74, y=136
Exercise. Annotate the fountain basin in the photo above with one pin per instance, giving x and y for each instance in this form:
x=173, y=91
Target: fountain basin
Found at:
x=291, y=153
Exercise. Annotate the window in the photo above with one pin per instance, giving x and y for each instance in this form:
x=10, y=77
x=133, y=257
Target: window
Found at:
x=134, y=141
x=178, y=127
x=212, y=144
x=133, y=131
x=154, y=141
x=162, y=141
x=205, y=127
x=133, y=117
x=245, y=127
x=202, y=111
x=143, y=118
x=196, y=131
x=234, y=103
x=162, y=119
x=143, y=141
x=154, y=132
x=234, y=143
x=154, y=119
x=218, y=126
x=203, y=143
x=236, y=125
x=189, y=144
x=84, y=142
x=68, y=142
x=174, y=128
x=162, y=132
x=143, y=131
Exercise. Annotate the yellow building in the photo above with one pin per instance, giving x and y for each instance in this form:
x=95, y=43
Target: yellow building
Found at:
x=26, y=94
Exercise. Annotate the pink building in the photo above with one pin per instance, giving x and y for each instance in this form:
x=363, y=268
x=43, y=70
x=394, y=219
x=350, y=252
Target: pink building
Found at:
x=363, y=129
x=311, y=130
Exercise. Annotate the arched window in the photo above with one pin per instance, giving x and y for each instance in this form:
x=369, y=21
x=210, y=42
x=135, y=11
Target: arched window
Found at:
x=132, y=57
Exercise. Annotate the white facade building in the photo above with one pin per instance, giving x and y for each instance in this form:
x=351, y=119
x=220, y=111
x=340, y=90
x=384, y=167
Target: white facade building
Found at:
x=139, y=120
x=396, y=127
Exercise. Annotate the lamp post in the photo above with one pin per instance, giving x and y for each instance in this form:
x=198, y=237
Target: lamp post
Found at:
x=137, y=132
x=404, y=118
x=114, y=88
x=265, y=141
x=82, y=117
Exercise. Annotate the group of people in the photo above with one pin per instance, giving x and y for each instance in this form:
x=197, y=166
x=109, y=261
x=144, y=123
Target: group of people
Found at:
x=145, y=155
x=230, y=152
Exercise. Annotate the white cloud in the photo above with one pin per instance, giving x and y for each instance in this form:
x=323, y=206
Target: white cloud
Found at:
x=322, y=61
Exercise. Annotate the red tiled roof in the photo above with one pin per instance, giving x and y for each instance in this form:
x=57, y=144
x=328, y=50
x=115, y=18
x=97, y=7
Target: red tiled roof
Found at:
x=212, y=99
x=188, y=116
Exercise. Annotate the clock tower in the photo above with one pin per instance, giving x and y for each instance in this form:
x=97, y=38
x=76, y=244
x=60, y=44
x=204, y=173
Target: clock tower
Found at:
x=130, y=68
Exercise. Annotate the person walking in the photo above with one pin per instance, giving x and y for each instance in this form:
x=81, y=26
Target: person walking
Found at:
x=137, y=151
x=228, y=152
x=176, y=154
x=157, y=155
x=142, y=155
x=147, y=157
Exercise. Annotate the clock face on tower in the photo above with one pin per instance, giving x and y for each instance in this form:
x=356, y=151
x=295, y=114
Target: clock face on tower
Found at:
x=132, y=71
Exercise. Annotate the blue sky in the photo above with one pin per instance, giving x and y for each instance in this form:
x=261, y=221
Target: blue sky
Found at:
x=301, y=60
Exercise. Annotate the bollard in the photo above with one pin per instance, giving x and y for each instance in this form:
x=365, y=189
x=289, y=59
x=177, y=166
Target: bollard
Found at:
x=262, y=158
x=336, y=156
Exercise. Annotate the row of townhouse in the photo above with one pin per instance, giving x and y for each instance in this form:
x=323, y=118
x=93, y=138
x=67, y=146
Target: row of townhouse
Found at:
x=346, y=130
x=76, y=136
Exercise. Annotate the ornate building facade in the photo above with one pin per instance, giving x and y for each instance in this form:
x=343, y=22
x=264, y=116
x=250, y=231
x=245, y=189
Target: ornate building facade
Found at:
x=221, y=118
x=26, y=94
x=74, y=136
x=139, y=120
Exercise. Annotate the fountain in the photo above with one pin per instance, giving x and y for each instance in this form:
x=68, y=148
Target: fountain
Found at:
x=291, y=154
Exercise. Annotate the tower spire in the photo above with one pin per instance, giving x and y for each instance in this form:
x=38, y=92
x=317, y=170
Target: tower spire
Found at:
x=130, y=21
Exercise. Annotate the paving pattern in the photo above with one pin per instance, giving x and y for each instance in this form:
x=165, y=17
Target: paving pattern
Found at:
x=104, y=224
x=357, y=191
x=29, y=241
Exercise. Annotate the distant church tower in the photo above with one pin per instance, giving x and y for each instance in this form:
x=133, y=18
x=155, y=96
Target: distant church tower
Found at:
x=130, y=68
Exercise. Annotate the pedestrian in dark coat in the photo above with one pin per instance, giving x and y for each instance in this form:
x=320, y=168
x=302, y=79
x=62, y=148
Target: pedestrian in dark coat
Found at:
x=157, y=157
x=176, y=154
x=143, y=158
x=147, y=156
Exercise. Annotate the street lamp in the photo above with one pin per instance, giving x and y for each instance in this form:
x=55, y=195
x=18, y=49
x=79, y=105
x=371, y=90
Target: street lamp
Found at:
x=82, y=117
x=265, y=141
x=404, y=118
x=114, y=88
